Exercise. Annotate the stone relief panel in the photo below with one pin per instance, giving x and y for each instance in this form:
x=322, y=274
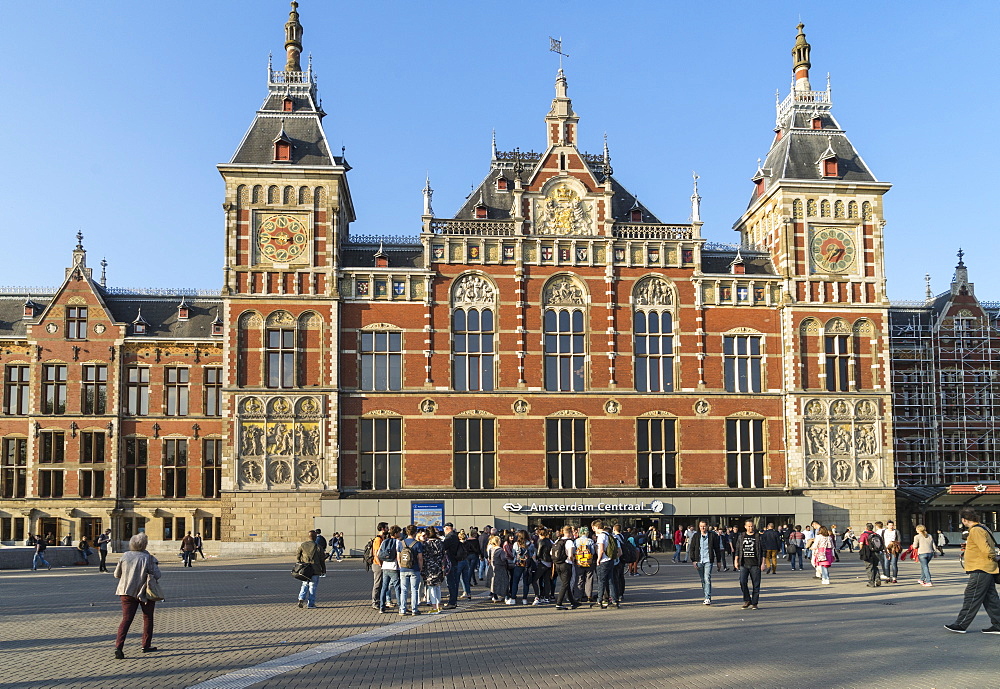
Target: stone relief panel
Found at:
x=473, y=290
x=564, y=291
x=841, y=439
x=652, y=291
x=562, y=212
x=280, y=442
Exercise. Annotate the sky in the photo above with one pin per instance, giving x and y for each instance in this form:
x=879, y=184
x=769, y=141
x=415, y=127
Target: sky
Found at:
x=116, y=115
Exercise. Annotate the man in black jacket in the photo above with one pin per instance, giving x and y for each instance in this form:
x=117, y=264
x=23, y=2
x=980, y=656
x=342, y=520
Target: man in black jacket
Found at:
x=749, y=554
x=771, y=541
x=455, y=552
x=703, y=552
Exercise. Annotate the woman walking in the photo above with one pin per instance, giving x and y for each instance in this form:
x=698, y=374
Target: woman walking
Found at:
x=822, y=553
x=924, y=544
x=133, y=571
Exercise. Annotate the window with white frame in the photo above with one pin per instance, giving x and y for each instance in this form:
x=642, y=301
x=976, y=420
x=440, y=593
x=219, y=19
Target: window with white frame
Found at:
x=566, y=452
x=742, y=363
x=564, y=350
x=656, y=452
x=745, y=453
x=474, y=451
x=653, y=334
x=381, y=359
x=472, y=332
x=380, y=449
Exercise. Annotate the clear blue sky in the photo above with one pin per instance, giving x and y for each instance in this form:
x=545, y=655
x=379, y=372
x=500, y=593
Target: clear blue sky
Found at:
x=116, y=115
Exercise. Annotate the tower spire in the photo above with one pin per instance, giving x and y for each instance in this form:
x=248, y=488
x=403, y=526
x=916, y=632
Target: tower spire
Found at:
x=428, y=193
x=695, y=200
x=800, y=60
x=561, y=121
x=293, y=40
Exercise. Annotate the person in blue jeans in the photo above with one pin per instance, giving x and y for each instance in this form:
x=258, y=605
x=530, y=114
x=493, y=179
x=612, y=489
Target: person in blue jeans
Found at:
x=924, y=545
x=607, y=585
x=523, y=553
x=703, y=551
x=411, y=560
x=388, y=554
x=454, y=550
x=39, y=559
x=308, y=553
x=796, y=544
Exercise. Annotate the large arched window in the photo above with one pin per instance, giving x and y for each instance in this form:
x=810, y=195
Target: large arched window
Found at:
x=473, y=330
x=279, y=350
x=653, y=335
x=564, y=345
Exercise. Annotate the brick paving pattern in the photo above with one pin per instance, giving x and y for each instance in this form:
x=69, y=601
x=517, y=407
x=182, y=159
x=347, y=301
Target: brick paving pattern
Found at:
x=57, y=629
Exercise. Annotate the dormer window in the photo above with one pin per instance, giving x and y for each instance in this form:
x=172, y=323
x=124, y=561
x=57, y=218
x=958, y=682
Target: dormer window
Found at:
x=29, y=309
x=759, y=184
x=217, y=328
x=830, y=167
x=282, y=151
x=287, y=105
x=635, y=215
x=501, y=184
x=481, y=212
x=817, y=123
x=183, y=311
x=139, y=328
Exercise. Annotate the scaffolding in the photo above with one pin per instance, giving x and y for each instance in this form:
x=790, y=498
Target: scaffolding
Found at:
x=946, y=396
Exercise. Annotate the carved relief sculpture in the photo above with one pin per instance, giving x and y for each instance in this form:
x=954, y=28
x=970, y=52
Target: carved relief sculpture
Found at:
x=842, y=470
x=866, y=470
x=253, y=440
x=279, y=472
x=816, y=437
x=308, y=472
x=473, y=289
x=562, y=212
x=867, y=444
x=842, y=440
x=652, y=292
x=251, y=472
x=563, y=291
x=816, y=470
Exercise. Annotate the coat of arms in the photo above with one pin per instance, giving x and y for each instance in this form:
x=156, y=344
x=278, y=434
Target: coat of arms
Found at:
x=562, y=212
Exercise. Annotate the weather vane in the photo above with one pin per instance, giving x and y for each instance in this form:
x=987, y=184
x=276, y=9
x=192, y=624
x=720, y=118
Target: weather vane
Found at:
x=555, y=46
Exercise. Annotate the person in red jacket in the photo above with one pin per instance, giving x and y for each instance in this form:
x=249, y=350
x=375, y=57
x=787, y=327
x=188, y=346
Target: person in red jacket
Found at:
x=678, y=545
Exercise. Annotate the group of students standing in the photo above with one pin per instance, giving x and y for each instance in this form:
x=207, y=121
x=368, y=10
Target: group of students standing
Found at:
x=568, y=567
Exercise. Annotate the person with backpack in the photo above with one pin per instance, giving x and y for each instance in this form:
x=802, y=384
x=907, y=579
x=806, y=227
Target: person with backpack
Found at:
x=543, y=566
x=410, y=559
x=584, y=566
x=103, y=540
x=871, y=553
x=39, y=558
x=522, y=552
x=388, y=553
x=796, y=544
x=626, y=554
x=748, y=558
x=310, y=554
x=849, y=539
x=563, y=552
x=981, y=566
x=372, y=562
x=703, y=552
x=607, y=555
x=725, y=547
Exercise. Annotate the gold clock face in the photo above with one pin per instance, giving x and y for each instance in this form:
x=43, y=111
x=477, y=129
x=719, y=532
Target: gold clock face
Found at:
x=833, y=250
x=282, y=238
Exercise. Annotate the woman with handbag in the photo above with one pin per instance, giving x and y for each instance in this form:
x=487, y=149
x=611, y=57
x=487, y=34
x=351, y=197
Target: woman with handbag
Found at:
x=822, y=553
x=310, y=561
x=137, y=573
x=923, y=543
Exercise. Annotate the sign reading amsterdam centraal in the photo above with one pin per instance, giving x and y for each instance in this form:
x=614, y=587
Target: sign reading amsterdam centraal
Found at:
x=655, y=506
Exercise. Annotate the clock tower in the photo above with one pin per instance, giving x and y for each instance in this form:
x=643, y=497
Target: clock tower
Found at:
x=287, y=209
x=816, y=207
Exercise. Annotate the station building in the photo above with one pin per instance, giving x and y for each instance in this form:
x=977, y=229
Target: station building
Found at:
x=552, y=352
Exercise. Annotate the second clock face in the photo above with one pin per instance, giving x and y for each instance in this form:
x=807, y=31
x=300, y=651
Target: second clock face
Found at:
x=833, y=250
x=282, y=238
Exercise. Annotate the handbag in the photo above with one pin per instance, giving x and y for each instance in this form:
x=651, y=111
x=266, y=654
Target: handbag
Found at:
x=303, y=571
x=153, y=591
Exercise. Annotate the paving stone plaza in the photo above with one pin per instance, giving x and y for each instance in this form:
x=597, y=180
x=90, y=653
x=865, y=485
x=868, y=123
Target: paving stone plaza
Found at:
x=234, y=624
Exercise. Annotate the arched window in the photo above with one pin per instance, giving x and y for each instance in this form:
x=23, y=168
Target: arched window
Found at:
x=811, y=208
x=824, y=208
x=279, y=350
x=564, y=350
x=653, y=335
x=866, y=211
x=472, y=332
x=852, y=209
x=838, y=209
x=797, y=208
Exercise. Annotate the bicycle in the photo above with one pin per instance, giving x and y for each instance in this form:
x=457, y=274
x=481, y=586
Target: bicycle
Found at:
x=648, y=564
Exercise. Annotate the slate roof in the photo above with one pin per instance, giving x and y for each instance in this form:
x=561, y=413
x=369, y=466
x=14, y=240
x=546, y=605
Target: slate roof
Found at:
x=716, y=261
x=309, y=144
x=399, y=257
x=159, y=312
x=498, y=202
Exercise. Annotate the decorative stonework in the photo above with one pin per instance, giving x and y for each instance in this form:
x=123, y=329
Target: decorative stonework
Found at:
x=564, y=291
x=702, y=407
x=562, y=212
x=841, y=442
x=652, y=291
x=428, y=406
x=612, y=407
x=275, y=435
x=473, y=290
x=567, y=412
x=520, y=407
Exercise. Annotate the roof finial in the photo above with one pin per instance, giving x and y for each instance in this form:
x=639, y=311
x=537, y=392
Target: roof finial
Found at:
x=428, y=193
x=800, y=60
x=104, y=272
x=961, y=255
x=494, y=143
x=293, y=40
x=695, y=200
x=927, y=286
x=606, y=163
x=555, y=46
x=79, y=240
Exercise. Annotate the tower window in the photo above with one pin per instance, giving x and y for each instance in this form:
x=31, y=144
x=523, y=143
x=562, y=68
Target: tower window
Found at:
x=287, y=105
x=830, y=167
x=636, y=215
x=817, y=123
x=501, y=183
x=480, y=212
x=759, y=187
x=282, y=150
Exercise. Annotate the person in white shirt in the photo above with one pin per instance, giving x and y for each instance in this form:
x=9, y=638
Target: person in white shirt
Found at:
x=890, y=558
x=810, y=534
x=585, y=566
x=607, y=587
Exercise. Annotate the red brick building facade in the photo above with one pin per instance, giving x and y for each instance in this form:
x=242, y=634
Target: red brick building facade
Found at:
x=553, y=351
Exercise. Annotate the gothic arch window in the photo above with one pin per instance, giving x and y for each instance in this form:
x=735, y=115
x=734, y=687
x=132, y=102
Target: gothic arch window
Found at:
x=866, y=211
x=852, y=209
x=808, y=344
x=250, y=336
x=288, y=197
x=473, y=331
x=653, y=335
x=320, y=196
x=838, y=209
x=564, y=318
x=258, y=193
x=824, y=208
x=305, y=195
x=280, y=348
x=838, y=350
x=797, y=208
x=811, y=208
x=272, y=194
